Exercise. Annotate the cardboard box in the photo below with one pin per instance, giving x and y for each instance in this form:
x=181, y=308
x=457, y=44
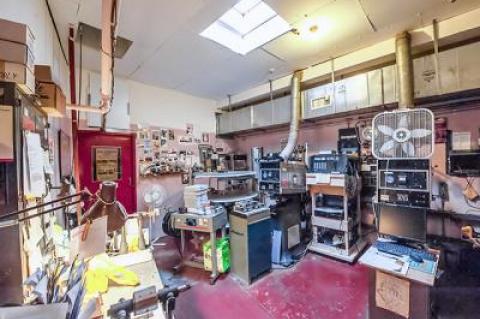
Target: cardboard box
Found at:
x=16, y=32
x=18, y=73
x=52, y=98
x=17, y=53
x=43, y=73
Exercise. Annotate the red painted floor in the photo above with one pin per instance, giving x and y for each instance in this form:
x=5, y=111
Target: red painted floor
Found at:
x=317, y=287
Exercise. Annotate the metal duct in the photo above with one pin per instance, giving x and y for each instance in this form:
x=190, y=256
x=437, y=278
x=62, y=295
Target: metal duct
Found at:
x=295, y=117
x=403, y=56
x=109, y=24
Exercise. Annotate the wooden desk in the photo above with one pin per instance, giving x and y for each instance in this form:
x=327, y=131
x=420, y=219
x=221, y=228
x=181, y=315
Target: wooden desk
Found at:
x=148, y=275
x=419, y=287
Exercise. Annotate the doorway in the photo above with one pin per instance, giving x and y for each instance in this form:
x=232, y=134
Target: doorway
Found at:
x=109, y=156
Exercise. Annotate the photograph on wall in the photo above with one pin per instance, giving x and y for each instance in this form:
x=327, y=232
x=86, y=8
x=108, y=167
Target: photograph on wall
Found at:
x=163, y=141
x=189, y=129
x=143, y=135
x=156, y=135
x=185, y=178
x=205, y=138
x=171, y=135
x=106, y=164
x=186, y=139
x=164, y=134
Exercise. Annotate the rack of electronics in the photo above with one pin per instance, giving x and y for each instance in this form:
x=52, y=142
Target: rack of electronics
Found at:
x=403, y=143
x=282, y=189
x=404, y=182
x=334, y=187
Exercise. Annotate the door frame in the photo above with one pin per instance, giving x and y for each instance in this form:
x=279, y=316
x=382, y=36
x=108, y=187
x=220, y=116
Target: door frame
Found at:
x=133, y=144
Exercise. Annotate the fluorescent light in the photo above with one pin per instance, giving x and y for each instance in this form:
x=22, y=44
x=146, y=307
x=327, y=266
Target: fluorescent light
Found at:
x=247, y=26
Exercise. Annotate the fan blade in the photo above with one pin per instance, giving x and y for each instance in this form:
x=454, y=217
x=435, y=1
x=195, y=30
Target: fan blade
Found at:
x=387, y=146
x=420, y=132
x=408, y=149
x=403, y=122
x=385, y=130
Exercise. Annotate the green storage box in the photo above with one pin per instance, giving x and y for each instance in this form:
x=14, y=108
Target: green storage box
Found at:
x=223, y=255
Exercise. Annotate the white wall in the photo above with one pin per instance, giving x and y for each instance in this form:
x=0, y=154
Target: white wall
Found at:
x=155, y=106
x=151, y=105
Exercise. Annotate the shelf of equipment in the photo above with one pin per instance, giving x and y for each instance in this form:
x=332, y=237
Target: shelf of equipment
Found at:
x=227, y=196
x=348, y=224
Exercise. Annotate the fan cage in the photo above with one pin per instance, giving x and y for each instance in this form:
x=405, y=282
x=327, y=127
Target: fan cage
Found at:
x=415, y=119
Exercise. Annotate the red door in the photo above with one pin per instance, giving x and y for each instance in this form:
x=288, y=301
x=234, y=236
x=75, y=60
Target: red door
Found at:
x=109, y=156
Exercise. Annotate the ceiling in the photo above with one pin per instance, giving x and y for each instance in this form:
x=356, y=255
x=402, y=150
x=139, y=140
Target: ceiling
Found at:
x=168, y=52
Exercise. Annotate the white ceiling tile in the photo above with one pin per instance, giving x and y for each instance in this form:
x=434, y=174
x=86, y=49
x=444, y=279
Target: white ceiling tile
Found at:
x=167, y=50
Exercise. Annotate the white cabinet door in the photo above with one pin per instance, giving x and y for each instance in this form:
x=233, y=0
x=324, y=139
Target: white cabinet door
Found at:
x=119, y=116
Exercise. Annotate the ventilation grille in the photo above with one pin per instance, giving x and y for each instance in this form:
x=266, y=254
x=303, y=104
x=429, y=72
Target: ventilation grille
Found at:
x=405, y=134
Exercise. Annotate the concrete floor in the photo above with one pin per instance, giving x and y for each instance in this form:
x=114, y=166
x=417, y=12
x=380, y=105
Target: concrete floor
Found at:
x=317, y=287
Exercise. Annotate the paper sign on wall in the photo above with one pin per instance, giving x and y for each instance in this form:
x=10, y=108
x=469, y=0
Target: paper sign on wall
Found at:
x=107, y=163
x=35, y=169
x=6, y=138
x=89, y=240
x=392, y=293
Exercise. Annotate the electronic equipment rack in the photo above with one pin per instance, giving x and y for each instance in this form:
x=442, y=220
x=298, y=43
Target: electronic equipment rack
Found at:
x=336, y=226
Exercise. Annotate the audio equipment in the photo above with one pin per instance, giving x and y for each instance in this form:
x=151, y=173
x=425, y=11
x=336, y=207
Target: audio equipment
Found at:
x=331, y=163
x=404, y=182
x=348, y=141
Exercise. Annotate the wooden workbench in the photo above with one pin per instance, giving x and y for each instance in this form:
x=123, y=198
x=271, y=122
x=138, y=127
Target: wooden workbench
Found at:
x=419, y=285
x=147, y=273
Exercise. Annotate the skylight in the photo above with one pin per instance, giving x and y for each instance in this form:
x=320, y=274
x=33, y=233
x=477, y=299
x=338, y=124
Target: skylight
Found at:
x=247, y=26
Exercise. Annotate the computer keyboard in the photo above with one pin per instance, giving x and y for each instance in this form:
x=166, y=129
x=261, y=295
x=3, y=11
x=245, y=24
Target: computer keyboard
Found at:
x=329, y=210
x=401, y=250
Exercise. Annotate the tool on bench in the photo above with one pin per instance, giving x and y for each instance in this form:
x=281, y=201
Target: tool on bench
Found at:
x=146, y=300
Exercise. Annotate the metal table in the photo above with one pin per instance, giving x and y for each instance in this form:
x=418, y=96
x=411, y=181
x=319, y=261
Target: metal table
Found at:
x=209, y=223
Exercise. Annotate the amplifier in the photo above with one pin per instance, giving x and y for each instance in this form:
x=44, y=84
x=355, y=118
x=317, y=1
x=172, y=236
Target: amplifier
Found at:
x=404, y=197
x=331, y=163
x=404, y=182
x=410, y=180
x=348, y=141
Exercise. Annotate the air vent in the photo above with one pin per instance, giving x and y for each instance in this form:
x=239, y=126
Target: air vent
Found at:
x=92, y=38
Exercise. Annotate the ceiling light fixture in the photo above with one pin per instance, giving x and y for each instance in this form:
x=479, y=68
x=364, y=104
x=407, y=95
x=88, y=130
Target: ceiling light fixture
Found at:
x=248, y=25
x=315, y=28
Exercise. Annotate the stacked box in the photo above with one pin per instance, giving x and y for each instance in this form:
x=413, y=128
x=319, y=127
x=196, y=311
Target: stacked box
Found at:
x=16, y=55
x=196, y=197
x=51, y=96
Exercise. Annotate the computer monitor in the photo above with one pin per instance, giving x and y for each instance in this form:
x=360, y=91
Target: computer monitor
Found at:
x=407, y=223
